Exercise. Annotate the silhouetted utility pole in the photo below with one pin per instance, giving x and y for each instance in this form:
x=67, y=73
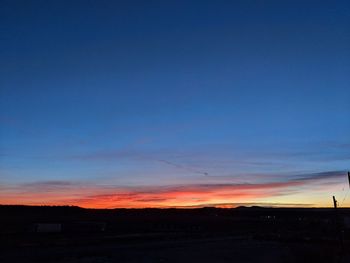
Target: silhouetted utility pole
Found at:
x=338, y=230
x=338, y=224
x=335, y=202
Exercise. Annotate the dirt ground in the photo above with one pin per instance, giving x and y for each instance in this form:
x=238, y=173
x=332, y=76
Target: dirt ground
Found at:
x=221, y=249
x=200, y=250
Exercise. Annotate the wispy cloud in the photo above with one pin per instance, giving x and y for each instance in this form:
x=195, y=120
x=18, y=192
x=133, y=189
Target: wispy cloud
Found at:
x=321, y=176
x=47, y=186
x=195, y=194
x=211, y=159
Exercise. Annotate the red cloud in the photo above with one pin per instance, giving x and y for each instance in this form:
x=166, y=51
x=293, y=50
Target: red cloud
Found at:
x=85, y=195
x=167, y=196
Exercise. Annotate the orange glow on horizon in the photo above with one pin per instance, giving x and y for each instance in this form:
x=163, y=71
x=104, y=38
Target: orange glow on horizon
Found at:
x=221, y=195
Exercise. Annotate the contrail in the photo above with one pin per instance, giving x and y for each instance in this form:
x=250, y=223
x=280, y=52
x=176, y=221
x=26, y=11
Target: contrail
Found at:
x=183, y=167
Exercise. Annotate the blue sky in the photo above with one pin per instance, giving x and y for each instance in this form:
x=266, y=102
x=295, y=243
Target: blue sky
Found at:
x=144, y=93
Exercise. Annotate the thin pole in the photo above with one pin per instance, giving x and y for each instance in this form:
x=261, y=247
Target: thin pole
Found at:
x=338, y=229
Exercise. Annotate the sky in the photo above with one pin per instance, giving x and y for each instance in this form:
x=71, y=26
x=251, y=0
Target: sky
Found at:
x=108, y=104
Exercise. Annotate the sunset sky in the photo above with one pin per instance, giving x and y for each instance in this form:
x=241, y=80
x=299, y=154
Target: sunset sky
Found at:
x=174, y=103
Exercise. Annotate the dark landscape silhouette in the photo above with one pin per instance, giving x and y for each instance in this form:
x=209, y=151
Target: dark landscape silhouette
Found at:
x=243, y=234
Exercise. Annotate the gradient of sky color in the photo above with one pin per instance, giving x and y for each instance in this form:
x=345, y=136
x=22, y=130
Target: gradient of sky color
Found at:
x=174, y=103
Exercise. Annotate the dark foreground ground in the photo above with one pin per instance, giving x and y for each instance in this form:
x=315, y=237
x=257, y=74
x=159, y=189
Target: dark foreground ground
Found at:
x=173, y=235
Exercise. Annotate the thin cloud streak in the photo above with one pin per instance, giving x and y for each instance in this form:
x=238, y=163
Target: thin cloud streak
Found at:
x=63, y=192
